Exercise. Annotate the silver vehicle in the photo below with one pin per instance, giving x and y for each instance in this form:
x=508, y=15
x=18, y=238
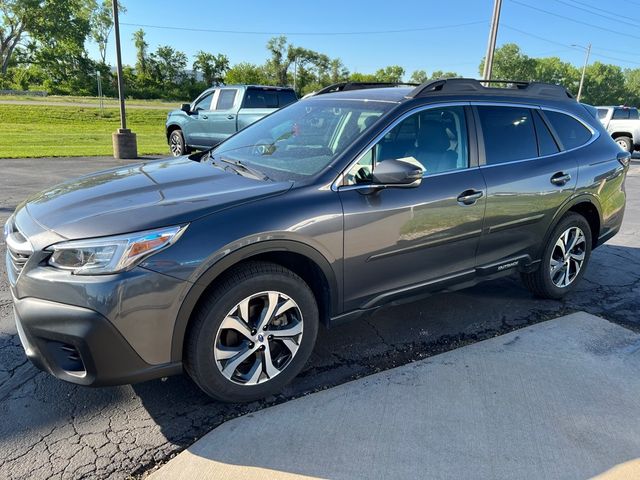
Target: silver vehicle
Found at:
x=623, y=124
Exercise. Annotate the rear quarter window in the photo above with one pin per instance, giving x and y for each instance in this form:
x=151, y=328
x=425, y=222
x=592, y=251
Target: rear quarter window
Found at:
x=570, y=132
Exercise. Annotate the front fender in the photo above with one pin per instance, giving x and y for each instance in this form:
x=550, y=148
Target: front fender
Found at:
x=226, y=259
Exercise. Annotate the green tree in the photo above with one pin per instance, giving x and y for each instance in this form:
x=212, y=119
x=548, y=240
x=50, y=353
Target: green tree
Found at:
x=419, y=76
x=604, y=85
x=141, y=51
x=554, y=70
x=392, y=73
x=509, y=63
x=632, y=84
x=213, y=67
x=102, y=24
x=246, y=73
x=168, y=66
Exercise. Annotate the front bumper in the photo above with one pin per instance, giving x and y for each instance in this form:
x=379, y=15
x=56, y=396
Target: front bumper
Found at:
x=80, y=345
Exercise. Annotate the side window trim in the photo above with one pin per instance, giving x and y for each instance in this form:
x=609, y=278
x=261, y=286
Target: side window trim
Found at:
x=595, y=134
x=553, y=131
x=556, y=138
x=339, y=180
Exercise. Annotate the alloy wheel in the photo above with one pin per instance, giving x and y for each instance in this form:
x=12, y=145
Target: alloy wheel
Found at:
x=175, y=144
x=258, y=338
x=567, y=257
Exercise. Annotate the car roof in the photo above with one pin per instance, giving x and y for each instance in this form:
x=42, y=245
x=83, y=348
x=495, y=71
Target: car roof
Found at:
x=385, y=94
x=459, y=89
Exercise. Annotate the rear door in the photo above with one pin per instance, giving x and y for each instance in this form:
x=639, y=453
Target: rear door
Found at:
x=401, y=240
x=530, y=172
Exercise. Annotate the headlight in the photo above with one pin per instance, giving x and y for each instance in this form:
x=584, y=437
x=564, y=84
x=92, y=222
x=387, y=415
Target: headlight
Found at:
x=111, y=254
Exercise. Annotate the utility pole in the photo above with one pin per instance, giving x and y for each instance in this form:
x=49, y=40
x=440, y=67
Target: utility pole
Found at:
x=493, y=35
x=124, y=140
x=584, y=67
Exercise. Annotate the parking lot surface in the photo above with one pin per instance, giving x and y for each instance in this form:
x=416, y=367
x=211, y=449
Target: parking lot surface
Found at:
x=50, y=429
x=460, y=414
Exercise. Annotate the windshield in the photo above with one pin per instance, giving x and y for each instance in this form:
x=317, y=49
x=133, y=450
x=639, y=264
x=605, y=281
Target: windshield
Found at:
x=299, y=141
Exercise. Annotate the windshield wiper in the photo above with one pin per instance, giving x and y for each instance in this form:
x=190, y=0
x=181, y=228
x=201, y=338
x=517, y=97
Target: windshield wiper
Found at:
x=239, y=166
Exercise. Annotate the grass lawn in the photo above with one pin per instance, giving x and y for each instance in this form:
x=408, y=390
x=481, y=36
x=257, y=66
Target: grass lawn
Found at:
x=56, y=131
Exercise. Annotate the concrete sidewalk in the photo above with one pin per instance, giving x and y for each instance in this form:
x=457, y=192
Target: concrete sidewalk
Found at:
x=557, y=400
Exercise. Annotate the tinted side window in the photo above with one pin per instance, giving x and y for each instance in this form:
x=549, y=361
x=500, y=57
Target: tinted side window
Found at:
x=546, y=144
x=633, y=114
x=620, y=114
x=226, y=99
x=508, y=134
x=285, y=98
x=602, y=113
x=261, y=99
x=204, y=103
x=570, y=131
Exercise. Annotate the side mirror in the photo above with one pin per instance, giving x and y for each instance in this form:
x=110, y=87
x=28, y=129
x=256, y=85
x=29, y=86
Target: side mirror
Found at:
x=186, y=108
x=398, y=173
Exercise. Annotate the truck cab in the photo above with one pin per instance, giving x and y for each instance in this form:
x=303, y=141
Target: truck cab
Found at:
x=219, y=112
x=623, y=124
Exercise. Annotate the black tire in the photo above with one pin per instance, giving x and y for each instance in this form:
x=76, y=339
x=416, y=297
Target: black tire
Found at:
x=177, y=145
x=240, y=283
x=625, y=143
x=540, y=281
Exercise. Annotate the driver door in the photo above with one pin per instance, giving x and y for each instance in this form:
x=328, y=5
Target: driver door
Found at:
x=195, y=130
x=402, y=240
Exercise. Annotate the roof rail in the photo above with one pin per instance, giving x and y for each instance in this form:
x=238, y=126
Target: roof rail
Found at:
x=471, y=85
x=345, y=86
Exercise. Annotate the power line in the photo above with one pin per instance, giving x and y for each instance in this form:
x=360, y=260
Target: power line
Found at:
x=248, y=32
x=606, y=13
x=509, y=27
x=597, y=14
x=592, y=25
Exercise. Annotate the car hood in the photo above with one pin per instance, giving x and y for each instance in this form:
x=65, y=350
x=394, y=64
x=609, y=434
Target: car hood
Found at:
x=143, y=196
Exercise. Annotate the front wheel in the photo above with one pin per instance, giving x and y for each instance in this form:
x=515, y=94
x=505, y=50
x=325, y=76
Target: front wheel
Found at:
x=253, y=334
x=564, y=260
x=177, y=145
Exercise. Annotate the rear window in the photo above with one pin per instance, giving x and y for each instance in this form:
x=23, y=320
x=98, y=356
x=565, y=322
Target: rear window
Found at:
x=286, y=97
x=621, y=114
x=570, y=131
x=508, y=134
x=268, y=98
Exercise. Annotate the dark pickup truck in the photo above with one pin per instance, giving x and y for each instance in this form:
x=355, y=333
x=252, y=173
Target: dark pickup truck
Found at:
x=219, y=112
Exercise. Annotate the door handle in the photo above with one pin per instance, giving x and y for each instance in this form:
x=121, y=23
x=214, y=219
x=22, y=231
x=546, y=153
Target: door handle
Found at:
x=469, y=197
x=560, y=179
x=205, y=116
x=230, y=117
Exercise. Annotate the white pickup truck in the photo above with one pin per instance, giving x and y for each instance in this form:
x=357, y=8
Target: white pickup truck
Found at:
x=623, y=123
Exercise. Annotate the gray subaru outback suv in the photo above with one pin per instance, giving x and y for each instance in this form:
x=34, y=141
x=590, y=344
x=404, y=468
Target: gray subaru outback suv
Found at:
x=224, y=264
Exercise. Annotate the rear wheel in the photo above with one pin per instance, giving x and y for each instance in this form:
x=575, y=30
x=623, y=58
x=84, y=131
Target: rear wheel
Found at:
x=625, y=143
x=253, y=334
x=177, y=144
x=564, y=259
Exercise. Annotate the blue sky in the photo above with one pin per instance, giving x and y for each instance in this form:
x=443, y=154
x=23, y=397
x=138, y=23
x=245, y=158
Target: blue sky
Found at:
x=447, y=35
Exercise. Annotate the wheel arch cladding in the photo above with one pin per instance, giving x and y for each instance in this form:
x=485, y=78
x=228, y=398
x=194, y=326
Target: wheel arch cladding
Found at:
x=171, y=128
x=304, y=261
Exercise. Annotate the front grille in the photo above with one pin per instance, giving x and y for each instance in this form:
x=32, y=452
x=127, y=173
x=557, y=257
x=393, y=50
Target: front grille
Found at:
x=18, y=249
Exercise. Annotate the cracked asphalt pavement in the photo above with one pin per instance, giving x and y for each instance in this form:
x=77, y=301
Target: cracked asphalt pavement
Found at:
x=51, y=429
